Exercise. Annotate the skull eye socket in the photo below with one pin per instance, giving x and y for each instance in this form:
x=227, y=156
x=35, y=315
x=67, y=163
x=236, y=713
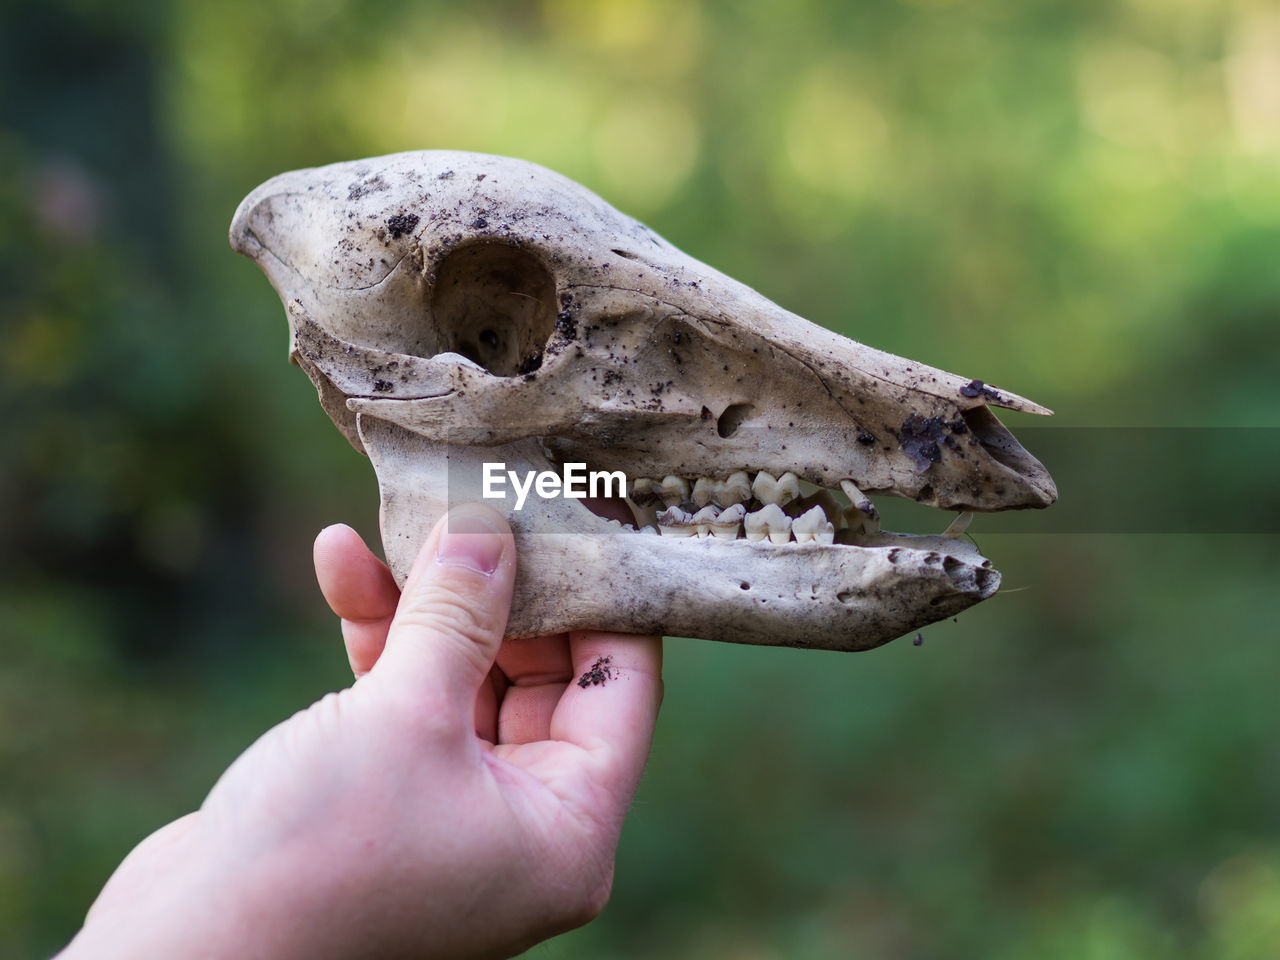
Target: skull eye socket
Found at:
x=494, y=303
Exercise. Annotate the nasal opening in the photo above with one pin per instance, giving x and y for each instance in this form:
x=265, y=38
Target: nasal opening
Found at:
x=1004, y=448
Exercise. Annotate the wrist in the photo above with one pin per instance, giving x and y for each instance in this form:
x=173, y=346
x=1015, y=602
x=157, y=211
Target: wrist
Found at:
x=180, y=897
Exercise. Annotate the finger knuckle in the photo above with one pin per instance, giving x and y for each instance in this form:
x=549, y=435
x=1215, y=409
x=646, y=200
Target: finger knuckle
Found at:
x=446, y=617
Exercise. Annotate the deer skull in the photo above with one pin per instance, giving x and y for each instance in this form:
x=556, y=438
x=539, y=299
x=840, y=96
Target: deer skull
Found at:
x=456, y=309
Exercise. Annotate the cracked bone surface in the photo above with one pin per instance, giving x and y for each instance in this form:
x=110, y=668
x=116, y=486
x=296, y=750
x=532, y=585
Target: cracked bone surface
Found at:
x=456, y=309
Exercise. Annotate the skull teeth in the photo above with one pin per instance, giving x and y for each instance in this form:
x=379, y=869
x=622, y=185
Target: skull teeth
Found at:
x=813, y=525
x=737, y=489
x=729, y=522
x=705, y=507
x=674, y=490
x=703, y=491
x=646, y=491
x=674, y=522
x=781, y=490
x=703, y=519
x=955, y=530
x=862, y=516
x=769, y=521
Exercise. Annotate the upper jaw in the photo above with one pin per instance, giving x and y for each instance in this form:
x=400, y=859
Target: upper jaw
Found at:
x=964, y=461
x=933, y=436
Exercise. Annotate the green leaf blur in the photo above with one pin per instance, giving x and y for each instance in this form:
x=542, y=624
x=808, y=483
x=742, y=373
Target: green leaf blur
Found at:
x=1079, y=201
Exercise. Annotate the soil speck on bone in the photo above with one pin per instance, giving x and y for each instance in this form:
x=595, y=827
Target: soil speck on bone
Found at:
x=566, y=326
x=976, y=388
x=919, y=438
x=401, y=223
x=599, y=673
x=361, y=187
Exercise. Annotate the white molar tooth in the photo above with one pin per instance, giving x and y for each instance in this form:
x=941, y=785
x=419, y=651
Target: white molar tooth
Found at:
x=788, y=488
x=675, y=490
x=725, y=526
x=704, y=518
x=674, y=522
x=769, y=521
x=764, y=486
x=736, y=489
x=780, y=490
x=956, y=529
x=779, y=524
x=810, y=524
x=754, y=526
x=831, y=508
x=703, y=491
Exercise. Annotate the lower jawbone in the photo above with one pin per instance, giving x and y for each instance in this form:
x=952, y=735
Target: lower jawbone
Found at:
x=580, y=571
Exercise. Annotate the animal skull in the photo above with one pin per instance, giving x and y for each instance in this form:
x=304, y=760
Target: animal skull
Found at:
x=457, y=309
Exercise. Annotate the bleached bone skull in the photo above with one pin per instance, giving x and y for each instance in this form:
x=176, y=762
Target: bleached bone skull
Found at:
x=456, y=309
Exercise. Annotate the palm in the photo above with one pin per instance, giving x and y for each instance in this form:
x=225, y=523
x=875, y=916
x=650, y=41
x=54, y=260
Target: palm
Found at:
x=523, y=715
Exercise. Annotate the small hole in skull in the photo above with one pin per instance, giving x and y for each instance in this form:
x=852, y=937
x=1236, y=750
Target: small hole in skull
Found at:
x=494, y=303
x=733, y=417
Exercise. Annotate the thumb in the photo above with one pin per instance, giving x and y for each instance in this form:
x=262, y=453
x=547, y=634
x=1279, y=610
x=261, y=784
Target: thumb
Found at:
x=453, y=611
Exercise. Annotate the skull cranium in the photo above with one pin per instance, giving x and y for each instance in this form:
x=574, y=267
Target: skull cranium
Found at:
x=458, y=309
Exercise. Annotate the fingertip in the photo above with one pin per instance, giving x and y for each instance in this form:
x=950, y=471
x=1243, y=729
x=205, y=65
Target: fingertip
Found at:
x=333, y=533
x=333, y=546
x=611, y=707
x=357, y=585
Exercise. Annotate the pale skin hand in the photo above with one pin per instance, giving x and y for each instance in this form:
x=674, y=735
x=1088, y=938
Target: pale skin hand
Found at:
x=463, y=799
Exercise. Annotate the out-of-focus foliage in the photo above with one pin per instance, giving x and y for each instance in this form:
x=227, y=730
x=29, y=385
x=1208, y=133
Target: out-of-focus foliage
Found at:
x=1079, y=201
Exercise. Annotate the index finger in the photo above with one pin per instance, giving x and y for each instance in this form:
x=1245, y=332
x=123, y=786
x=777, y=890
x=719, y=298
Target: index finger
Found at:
x=360, y=589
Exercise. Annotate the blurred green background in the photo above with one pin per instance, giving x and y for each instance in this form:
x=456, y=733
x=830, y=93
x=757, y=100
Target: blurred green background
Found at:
x=1076, y=200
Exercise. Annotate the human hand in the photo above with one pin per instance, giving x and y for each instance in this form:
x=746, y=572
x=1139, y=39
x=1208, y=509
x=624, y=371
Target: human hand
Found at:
x=463, y=799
